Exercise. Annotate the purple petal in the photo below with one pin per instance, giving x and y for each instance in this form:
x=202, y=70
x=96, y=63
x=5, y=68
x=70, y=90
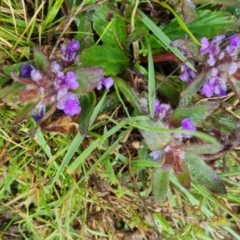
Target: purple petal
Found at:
x=107, y=83
x=71, y=80
x=214, y=72
x=36, y=75
x=234, y=40
x=205, y=44
x=72, y=105
x=157, y=106
x=207, y=89
x=26, y=70
x=55, y=67
x=155, y=155
x=187, y=124
x=38, y=112
x=69, y=50
x=232, y=68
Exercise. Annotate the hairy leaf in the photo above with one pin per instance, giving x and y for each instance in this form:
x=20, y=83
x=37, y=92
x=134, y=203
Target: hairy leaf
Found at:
x=160, y=184
x=40, y=59
x=204, y=175
x=197, y=113
x=88, y=78
x=154, y=140
x=184, y=178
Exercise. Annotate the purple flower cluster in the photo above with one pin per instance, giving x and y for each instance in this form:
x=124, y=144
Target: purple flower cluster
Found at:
x=58, y=88
x=217, y=57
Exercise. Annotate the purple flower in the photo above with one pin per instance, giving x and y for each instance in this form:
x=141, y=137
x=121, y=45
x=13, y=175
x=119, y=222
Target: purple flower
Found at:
x=187, y=124
x=187, y=73
x=155, y=155
x=234, y=41
x=161, y=110
x=212, y=49
x=205, y=46
x=215, y=85
x=26, y=70
x=35, y=75
x=55, y=67
x=106, y=82
x=70, y=104
x=69, y=50
x=38, y=112
x=71, y=80
x=66, y=81
x=207, y=89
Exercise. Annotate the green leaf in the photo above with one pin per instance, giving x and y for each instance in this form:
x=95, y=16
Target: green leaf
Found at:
x=87, y=104
x=25, y=111
x=128, y=93
x=12, y=91
x=88, y=78
x=192, y=89
x=222, y=121
x=197, y=113
x=85, y=33
x=154, y=140
x=208, y=24
x=110, y=102
x=160, y=184
x=110, y=26
x=184, y=178
x=40, y=59
x=8, y=69
x=139, y=32
x=201, y=148
x=204, y=175
x=111, y=59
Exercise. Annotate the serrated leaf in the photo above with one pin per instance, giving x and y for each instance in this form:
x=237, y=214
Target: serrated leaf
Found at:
x=197, y=113
x=154, y=140
x=88, y=78
x=204, y=175
x=110, y=26
x=160, y=184
x=208, y=24
x=184, y=178
x=87, y=104
x=111, y=59
x=28, y=107
x=41, y=61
